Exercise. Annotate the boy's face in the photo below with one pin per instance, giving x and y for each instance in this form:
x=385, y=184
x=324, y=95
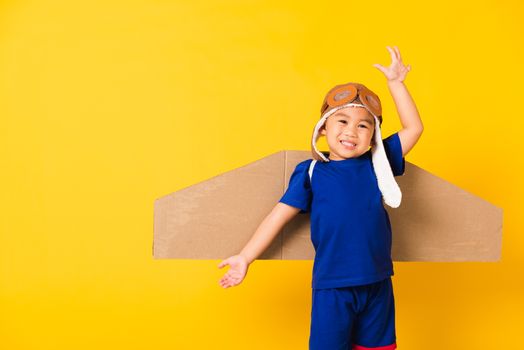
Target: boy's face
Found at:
x=352, y=124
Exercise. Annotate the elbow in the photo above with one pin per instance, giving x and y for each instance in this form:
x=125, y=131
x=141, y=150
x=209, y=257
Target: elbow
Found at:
x=420, y=129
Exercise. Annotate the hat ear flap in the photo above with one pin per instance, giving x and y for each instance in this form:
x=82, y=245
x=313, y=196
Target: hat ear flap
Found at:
x=317, y=132
x=386, y=182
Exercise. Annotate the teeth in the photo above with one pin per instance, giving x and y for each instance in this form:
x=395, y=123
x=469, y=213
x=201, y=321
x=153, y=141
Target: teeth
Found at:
x=348, y=143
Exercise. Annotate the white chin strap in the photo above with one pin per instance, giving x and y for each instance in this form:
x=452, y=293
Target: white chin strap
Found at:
x=385, y=179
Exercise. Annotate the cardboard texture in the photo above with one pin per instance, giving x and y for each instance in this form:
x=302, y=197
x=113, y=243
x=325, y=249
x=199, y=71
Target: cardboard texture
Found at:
x=214, y=219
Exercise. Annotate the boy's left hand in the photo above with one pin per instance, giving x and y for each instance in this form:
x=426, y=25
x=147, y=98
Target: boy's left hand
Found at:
x=396, y=71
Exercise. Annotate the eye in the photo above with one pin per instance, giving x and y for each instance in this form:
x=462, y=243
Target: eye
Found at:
x=342, y=120
x=363, y=125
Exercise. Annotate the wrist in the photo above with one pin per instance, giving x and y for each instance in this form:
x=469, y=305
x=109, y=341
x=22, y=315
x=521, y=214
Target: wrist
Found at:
x=395, y=82
x=246, y=258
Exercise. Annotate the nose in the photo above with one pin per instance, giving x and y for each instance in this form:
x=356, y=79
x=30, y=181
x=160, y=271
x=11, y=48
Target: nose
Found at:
x=350, y=130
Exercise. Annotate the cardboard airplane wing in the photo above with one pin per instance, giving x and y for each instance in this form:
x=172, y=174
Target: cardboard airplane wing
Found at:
x=214, y=219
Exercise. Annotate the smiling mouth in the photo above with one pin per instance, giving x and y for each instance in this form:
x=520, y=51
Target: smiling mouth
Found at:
x=348, y=144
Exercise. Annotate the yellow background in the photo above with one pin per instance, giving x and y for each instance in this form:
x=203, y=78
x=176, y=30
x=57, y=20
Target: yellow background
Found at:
x=107, y=105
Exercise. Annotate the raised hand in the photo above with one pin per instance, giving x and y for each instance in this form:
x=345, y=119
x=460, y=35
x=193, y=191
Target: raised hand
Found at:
x=238, y=267
x=396, y=70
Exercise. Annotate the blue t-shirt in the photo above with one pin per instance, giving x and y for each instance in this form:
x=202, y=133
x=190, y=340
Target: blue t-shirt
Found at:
x=350, y=228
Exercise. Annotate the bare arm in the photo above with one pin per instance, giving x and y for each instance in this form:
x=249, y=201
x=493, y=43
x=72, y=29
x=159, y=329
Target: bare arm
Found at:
x=409, y=117
x=268, y=230
x=262, y=238
x=412, y=126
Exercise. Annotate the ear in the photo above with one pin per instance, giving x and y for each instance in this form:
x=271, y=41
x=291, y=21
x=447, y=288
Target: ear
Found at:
x=322, y=130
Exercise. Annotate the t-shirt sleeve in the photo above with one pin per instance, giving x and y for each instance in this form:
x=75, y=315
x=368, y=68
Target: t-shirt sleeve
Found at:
x=393, y=149
x=298, y=193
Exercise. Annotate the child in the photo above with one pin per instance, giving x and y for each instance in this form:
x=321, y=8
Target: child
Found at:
x=352, y=293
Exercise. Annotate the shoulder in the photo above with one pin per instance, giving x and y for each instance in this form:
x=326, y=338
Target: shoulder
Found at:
x=393, y=149
x=304, y=169
x=392, y=143
x=304, y=164
x=392, y=138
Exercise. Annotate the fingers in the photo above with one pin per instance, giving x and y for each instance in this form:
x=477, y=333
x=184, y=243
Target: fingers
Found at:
x=223, y=263
x=398, y=53
x=380, y=67
x=228, y=280
x=395, y=53
x=225, y=280
x=224, y=283
x=395, y=56
x=392, y=53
